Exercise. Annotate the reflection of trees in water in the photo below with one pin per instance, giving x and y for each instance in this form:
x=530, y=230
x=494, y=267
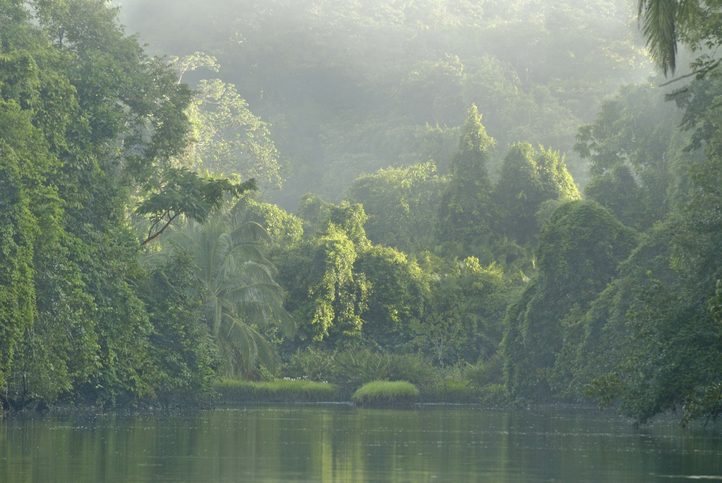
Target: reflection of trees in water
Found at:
x=343, y=444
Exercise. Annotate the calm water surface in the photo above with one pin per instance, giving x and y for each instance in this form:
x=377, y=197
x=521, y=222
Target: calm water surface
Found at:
x=342, y=444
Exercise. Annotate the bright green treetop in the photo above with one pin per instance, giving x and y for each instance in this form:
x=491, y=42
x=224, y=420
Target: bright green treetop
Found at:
x=528, y=179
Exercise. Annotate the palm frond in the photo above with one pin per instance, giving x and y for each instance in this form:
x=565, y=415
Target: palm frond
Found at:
x=250, y=231
x=659, y=27
x=244, y=347
x=241, y=293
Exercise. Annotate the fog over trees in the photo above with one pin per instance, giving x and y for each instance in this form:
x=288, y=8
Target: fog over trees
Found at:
x=353, y=86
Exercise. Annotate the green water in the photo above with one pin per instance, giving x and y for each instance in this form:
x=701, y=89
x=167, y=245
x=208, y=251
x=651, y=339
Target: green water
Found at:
x=342, y=444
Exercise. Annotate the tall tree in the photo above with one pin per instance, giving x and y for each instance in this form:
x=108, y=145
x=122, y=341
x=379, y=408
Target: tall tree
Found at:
x=637, y=155
x=465, y=211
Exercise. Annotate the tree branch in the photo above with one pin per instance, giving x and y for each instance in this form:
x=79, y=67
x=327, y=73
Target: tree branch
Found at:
x=156, y=222
x=158, y=233
x=697, y=73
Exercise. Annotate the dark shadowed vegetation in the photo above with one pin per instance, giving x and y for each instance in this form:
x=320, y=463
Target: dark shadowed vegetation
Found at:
x=234, y=392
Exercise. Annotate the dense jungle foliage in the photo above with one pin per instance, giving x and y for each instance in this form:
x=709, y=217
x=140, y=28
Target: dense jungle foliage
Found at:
x=436, y=234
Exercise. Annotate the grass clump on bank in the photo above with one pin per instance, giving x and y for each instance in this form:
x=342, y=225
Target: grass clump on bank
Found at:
x=386, y=394
x=232, y=391
x=348, y=369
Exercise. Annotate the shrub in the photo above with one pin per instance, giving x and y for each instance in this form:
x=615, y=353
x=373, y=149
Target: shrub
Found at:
x=311, y=364
x=495, y=395
x=485, y=373
x=412, y=368
x=386, y=394
x=234, y=391
x=451, y=391
x=355, y=367
x=350, y=368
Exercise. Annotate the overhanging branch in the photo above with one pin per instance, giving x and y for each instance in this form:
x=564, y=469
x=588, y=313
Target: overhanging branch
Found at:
x=153, y=235
x=697, y=73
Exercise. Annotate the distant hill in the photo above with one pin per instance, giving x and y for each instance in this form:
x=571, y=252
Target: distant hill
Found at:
x=351, y=86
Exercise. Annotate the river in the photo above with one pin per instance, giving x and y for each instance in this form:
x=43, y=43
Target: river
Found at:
x=328, y=443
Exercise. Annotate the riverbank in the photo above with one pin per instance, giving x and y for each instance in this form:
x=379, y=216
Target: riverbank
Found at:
x=233, y=392
x=237, y=393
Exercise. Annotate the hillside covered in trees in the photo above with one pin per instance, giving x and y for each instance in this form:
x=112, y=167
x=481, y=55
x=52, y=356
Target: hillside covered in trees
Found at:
x=350, y=86
x=490, y=200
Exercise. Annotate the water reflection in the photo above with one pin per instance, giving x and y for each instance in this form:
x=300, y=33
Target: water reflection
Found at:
x=331, y=444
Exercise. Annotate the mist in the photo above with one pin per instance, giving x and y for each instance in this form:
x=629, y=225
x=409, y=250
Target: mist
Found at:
x=349, y=87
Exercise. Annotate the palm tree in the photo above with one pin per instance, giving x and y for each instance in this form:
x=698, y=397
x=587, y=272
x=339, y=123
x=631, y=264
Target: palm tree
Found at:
x=240, y=294
x=663, y=21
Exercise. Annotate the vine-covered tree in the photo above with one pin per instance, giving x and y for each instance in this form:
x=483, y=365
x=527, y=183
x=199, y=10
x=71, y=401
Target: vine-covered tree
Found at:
x=580, y=248
x=326, y=294
x=398, y=290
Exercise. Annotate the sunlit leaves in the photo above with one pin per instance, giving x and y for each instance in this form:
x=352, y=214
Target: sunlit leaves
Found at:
x=227, y=138
x=529, y=178
x=185, y=192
